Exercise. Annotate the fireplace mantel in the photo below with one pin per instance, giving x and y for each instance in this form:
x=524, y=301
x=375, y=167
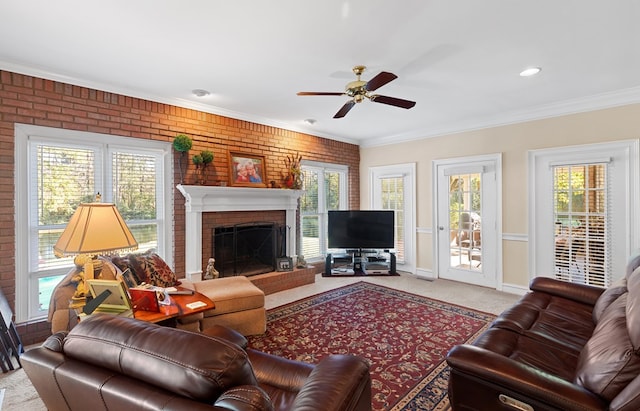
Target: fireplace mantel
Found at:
x=206, y=199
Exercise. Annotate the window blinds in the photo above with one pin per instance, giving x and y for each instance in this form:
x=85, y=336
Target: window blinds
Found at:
x=310, y=213
x=64, y=177
x=582, y=224
x=392, y=191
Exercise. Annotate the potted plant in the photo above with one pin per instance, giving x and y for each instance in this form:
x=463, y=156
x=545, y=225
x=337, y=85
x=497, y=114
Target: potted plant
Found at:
x=182, y=143
x=201, y=161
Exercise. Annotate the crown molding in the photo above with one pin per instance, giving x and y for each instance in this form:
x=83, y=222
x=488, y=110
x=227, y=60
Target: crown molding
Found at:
x=589, y=103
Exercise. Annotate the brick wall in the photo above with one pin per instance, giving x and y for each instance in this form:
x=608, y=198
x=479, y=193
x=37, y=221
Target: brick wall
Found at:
x=31, y=100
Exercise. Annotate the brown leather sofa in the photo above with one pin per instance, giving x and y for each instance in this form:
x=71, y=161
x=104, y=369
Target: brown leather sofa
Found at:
x=563, y=346
x=114, y=363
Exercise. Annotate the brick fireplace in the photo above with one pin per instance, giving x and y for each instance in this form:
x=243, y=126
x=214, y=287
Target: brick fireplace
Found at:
x=208, y=206
x=246, y=248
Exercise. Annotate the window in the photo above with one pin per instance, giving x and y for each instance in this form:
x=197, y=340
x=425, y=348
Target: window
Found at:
x=65, y=168
x=583, y=211
x=393, y=188
x=325, y=187
x=581, y=221
x=392, y=198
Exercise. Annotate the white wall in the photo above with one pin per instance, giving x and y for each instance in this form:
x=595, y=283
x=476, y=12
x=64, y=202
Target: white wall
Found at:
x=513, y=141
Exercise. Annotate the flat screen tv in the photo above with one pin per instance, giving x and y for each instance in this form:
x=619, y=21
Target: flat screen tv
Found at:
x=363, y=229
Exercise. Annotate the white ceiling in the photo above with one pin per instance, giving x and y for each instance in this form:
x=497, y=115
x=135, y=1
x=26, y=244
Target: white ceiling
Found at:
x=458, y=59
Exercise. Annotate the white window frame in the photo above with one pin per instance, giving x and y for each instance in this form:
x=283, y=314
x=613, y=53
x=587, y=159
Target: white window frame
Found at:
x=322, y=168
x=623, y=160
x=26, y=303
x=408, y=173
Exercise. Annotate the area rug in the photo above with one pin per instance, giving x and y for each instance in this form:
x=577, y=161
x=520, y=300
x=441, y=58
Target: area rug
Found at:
x=405, y=337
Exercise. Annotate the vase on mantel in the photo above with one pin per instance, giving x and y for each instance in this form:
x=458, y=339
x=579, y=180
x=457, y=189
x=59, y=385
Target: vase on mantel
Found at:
x=293, y=178
x=201, y=161
x=182, y=144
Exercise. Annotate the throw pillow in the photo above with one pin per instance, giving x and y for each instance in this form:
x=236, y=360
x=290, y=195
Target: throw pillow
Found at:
x=608, y=362
x=124, y=263
x=152, y=269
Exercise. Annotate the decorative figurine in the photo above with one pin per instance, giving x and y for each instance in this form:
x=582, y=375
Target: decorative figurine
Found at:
x=301, y=262
x=211, y=272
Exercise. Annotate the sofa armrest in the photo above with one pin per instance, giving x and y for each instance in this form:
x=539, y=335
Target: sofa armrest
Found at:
x=244, y=398
x=226, y=333
x=506, y=376
x=338, y=382
x=279, y=372
x=586, y=294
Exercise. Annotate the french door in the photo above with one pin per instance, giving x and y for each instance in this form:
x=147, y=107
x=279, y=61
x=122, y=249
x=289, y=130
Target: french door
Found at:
x=467, y=210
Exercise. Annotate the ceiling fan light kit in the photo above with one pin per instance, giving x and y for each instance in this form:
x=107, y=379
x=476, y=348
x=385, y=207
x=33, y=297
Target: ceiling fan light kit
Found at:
x=358, y=90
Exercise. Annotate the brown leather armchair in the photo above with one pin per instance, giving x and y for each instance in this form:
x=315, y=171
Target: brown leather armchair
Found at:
x=114, y=363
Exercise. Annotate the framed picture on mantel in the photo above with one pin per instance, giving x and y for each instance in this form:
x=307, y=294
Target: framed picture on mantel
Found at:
x=284, y=264
x=246, y=170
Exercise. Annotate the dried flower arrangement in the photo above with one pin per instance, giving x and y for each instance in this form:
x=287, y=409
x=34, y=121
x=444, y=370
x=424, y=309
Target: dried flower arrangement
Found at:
x=293, y=178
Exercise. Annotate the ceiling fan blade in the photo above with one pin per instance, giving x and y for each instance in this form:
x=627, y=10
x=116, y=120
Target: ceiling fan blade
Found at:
x=392, y=101
x=319, y=93
x=380, y=80
x=345, y=109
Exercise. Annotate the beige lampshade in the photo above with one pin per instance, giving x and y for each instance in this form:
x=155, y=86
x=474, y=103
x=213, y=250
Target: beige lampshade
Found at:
x=95, y=229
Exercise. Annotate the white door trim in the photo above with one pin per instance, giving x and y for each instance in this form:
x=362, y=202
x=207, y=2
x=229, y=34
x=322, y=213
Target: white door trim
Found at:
x=464, y=162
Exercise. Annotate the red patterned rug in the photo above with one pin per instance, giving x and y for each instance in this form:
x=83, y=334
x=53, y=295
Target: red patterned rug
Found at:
x=405, y=337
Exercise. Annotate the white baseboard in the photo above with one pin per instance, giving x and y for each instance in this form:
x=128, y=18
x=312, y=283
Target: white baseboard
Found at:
x=514, y=289
x=425, y=274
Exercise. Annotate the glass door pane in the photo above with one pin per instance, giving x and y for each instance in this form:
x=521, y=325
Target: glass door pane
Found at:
x=465, y=221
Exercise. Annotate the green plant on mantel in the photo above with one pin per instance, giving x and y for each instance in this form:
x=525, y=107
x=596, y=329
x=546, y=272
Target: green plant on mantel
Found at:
x=201, y=161
x=182, y=143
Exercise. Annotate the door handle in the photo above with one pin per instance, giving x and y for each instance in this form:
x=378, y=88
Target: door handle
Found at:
x=441, y=228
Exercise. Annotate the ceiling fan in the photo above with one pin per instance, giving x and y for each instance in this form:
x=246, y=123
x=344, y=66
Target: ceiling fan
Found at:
x=358, y=90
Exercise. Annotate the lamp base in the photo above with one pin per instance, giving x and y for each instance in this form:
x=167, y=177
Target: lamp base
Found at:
x=77, y=302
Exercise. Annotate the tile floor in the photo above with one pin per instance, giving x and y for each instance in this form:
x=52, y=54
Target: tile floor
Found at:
x=479, y=298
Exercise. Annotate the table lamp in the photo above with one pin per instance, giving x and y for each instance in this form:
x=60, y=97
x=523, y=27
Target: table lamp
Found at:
x=94, y=229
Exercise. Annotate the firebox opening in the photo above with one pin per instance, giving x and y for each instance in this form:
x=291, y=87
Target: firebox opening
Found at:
x=246, y=249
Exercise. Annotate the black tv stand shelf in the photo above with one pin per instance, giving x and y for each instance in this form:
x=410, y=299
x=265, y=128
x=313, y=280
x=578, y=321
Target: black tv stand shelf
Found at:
x=360, y=263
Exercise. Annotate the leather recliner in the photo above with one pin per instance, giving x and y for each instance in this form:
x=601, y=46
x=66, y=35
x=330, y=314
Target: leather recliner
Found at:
x=113, y=363
x=563, y=346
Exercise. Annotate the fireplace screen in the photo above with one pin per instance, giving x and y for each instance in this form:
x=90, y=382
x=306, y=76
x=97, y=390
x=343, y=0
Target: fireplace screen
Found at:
x=245, y=249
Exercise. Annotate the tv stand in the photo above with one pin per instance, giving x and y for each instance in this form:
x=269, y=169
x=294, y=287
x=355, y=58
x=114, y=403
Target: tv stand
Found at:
x=359, y=262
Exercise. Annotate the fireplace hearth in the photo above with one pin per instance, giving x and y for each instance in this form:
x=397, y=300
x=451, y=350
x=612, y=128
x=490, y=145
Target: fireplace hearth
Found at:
x=246, y=249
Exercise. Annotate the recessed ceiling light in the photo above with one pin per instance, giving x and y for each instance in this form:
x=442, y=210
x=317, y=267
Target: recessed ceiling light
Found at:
x=310, y=121
x=531, y=71
x=200, y=92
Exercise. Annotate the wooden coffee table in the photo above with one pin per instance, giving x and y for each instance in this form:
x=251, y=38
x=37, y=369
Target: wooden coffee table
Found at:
x=181, y=305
